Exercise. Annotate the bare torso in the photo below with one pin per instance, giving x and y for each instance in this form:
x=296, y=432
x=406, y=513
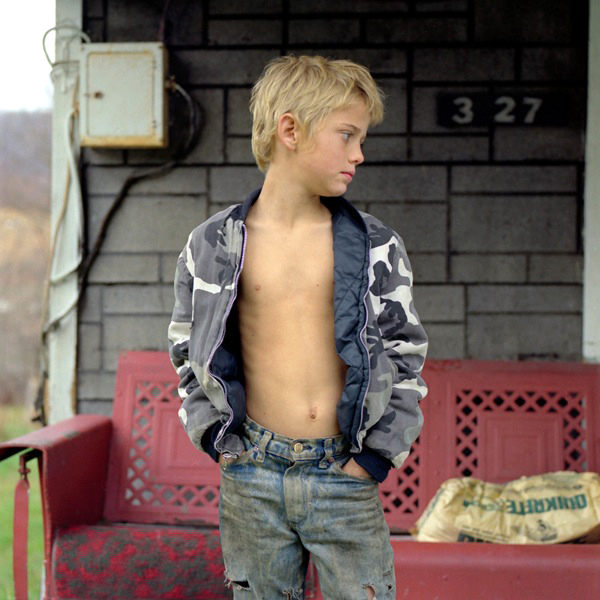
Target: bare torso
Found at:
x=294, y=377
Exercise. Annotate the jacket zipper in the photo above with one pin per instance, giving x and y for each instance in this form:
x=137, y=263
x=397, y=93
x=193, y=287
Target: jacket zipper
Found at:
x=222, y=336
x=364, y=345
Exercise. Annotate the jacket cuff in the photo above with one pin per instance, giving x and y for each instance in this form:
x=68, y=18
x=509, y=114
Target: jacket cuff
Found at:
x=374, y=464
x=208, y=441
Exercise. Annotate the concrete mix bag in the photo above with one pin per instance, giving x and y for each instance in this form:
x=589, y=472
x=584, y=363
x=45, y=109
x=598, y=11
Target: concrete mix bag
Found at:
x=541, y=509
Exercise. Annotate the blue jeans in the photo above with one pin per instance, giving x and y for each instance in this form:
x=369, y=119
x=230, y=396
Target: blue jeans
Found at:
x=283, y=499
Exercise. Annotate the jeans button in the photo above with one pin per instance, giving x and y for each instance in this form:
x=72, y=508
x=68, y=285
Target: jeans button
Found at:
x=298, y=447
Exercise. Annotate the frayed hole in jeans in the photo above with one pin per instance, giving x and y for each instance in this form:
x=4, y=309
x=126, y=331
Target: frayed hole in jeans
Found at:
x=370, y=591
x=292, y=594
x=239, y=585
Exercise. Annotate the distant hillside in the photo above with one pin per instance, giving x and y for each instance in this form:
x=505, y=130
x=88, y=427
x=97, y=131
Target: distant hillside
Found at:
x=25, y=143
x=25, y=157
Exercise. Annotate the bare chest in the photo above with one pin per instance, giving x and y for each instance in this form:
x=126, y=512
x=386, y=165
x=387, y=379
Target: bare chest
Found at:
x=294, y=268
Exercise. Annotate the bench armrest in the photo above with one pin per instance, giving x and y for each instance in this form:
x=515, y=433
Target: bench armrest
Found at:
x=73, y=466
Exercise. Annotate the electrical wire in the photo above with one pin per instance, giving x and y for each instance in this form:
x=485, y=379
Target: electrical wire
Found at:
x=136, y=177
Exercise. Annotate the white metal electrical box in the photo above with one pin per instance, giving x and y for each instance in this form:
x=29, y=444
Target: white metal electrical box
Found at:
x=122, y=95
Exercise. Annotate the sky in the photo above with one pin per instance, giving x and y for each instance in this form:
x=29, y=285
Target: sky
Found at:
x=25, y=83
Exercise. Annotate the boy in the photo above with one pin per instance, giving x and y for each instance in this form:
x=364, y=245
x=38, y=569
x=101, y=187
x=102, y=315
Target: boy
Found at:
x=299, y=348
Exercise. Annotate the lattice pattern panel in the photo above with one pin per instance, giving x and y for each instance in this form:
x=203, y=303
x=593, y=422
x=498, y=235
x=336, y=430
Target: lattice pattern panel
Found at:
x=530, y=420
x=160, y=476
x=399, y=493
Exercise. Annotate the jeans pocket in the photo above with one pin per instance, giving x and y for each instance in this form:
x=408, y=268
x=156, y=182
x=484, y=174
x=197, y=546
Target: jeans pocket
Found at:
x=337, y=468
x=245, y=457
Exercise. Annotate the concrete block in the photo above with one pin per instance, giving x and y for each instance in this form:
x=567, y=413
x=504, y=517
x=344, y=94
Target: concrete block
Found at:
x=94, y=9
x=422, y=30
x=184, y=25
x=134, y=21
x=138, y=299
x=449, y=148
x=539, y=144
x=125, y=268
x=209, y=147
x=222, y=67
x=399, y=182
x=424, y=110
x=423, y=227
x=566, y=268
x=524, y=21
x=395, y=107
x=379, y=148
x=168, y=262
x=151, y=224
x=446, y=340
x=442, y=6
x=554, y=64
x=386, y=61
x=89, y=347
x=90, y=311
x=522, y=299
x=464, y=64
x=103, y=156
x=239, y=118
x=230, y=185
x=522, y=337
x=232, y=7
x=428, y=268
x=513, y=224
x=131, y=332
x=343, y=6
x=488, y=268
x=320, y=31
x=440, y=303
x=239, y=151
x=107, y=181
x=95, y=29
x=236, y=32
x=509, y=179
x=95, y=385
x=95, y=407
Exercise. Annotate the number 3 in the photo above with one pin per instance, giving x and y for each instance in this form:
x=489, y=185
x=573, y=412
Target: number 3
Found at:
x=465, y=110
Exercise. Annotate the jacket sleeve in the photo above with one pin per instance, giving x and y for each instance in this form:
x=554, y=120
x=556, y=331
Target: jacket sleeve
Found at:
x=403, y=343
x=197, y=414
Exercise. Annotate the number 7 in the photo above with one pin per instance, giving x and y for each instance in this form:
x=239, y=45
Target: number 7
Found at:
x=534, y=104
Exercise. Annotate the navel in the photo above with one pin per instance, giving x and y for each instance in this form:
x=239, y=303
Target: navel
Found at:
x=313, y=413
x=257, y=287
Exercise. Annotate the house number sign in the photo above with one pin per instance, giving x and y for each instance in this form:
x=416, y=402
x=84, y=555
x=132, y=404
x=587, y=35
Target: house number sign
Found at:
x=482, y=110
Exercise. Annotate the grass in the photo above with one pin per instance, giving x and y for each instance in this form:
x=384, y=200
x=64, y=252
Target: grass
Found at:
x=14, y=421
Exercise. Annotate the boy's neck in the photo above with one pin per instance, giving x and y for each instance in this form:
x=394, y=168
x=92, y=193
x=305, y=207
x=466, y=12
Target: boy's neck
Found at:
x=286, y=203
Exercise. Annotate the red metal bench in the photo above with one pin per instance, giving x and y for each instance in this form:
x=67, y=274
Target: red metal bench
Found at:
x=131, y=508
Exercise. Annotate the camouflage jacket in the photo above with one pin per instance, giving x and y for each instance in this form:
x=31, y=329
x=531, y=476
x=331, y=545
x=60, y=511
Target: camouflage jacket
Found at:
x=377, y=330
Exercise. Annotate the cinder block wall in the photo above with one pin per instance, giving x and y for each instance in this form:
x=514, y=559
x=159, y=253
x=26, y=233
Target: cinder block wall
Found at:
x=491, y=216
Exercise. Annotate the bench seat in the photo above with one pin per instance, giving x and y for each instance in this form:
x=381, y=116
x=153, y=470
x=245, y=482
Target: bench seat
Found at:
x=131, y=508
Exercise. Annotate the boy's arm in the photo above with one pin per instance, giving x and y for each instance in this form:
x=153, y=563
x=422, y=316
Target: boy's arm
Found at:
x=199, y=417
x=404, y=343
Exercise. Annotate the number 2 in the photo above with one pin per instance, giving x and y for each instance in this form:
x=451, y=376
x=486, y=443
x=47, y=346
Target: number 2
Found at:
x=506, y=114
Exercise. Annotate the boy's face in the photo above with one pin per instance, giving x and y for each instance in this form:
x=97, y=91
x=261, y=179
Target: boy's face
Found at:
x=327, y=162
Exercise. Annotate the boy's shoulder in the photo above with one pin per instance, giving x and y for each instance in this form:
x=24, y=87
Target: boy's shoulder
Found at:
x=209, y=229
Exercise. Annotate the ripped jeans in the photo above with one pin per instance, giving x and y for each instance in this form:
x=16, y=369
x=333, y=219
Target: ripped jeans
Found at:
x=284, y=499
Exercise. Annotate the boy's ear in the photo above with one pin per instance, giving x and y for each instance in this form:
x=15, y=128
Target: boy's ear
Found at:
x=288, y=131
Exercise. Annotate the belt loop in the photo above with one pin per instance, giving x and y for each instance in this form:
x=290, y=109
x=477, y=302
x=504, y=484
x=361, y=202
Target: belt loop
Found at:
x=328, y=445
x=262, y=446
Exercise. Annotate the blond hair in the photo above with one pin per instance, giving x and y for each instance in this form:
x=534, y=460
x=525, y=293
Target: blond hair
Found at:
x=310, y=88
